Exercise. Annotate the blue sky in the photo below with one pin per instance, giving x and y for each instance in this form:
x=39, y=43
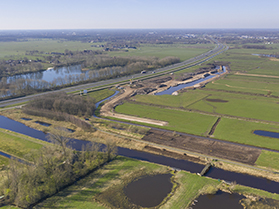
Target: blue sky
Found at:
x=103, y=14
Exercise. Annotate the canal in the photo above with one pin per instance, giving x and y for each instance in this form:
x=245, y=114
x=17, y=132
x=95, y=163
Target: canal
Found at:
x=243, y=179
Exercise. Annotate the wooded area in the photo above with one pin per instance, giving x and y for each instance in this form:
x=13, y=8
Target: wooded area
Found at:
x=51, y=169
x=63, y=107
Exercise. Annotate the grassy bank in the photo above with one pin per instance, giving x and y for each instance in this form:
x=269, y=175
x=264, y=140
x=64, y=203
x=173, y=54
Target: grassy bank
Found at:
x=100, y=94
x=190, y=187
x=3, y=161
x=269, y=160
x=17, y=144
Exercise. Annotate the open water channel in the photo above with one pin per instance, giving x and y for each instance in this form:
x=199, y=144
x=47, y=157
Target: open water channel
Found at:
x=243, y=179
x=190, y=84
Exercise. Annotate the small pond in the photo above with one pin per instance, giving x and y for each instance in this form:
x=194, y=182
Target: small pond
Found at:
x=27, y=119
x=43, y=123
x=71, y=130
x=149, y=191
x=220, y=200
x=267, y=133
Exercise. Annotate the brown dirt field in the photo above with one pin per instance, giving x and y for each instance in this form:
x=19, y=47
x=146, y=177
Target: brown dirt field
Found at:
x=216, y=100
x=204, y=146
x=175, y=155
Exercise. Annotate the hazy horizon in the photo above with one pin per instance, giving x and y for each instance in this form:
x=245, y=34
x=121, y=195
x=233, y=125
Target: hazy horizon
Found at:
x=138, y=14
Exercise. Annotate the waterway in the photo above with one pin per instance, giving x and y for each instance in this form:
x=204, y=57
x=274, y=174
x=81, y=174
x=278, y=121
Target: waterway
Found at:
x=243, y=179
x=170, y=90
x=108, y=98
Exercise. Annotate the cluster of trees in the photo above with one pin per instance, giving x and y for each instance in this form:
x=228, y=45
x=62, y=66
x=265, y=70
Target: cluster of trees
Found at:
x=62, y=102
x=63, y=107
x=51, y=169
x=255, y=47
x=13, y=67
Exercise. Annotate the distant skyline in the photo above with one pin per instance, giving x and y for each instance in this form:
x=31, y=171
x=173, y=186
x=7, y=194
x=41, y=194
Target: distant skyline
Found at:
x=138, y=14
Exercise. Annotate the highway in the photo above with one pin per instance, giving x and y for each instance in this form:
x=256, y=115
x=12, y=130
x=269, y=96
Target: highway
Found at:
x=121, y=80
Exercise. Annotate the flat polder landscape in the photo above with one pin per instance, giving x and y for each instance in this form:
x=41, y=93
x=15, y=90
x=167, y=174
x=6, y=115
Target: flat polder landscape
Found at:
x=83, y=124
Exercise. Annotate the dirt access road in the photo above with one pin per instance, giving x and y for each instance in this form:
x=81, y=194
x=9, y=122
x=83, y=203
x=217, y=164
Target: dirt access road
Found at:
x=257, y=75
x=107, y=110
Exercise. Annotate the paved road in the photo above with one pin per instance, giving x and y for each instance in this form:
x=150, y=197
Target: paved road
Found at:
x=172, y=68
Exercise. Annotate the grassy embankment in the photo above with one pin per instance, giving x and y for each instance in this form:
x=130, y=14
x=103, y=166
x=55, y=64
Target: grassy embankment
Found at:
x=100, y=94
x=86, y=191
x=18, y=145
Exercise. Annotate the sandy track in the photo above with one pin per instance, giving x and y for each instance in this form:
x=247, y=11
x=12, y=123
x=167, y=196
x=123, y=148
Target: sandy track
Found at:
x=257, y=75
x=107, y=108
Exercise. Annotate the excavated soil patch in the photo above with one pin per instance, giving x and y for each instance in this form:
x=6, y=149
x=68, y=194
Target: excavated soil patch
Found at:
x=216, y=100
x=204, y=146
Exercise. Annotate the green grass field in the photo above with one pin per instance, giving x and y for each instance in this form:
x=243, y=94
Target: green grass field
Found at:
x=181, y=121
x=239, y=105
x=242, y=60
x=17, y=144
x=181, y=100
x=242, y=132
x=262, y=108
x=101, y=94
x=183, y=51
x=248, y=84
x=47, y=45
x=268, y=159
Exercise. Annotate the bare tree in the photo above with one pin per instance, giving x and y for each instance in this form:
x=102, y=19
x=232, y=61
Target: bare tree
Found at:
x=111, y=149
x=60, y=136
